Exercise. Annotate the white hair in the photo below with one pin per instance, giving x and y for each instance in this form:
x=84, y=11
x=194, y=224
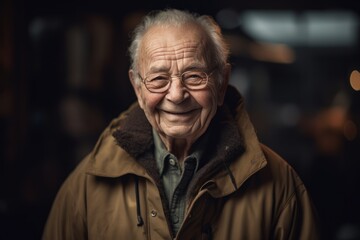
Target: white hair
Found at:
x=219, y=51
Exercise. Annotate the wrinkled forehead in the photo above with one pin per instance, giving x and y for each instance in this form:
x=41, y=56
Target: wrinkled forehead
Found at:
x=169, y=44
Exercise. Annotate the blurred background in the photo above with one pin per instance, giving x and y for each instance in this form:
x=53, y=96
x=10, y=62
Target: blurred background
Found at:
x=63, y=77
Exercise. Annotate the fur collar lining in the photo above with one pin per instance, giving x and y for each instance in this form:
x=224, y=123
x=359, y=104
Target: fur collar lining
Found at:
x=134, y=135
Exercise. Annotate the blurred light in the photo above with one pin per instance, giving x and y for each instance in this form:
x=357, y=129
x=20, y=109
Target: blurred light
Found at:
x=38, y=26
x=276, y=53
x=355, y=80
x=320, y=28
x=331, y=28
x=335, y=117
x=272, y=26
x=240, y=80
x=289, y=114
x=260, y=51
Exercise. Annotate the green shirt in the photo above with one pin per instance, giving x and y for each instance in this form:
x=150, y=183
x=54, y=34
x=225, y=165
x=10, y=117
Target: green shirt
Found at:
x=176, y=177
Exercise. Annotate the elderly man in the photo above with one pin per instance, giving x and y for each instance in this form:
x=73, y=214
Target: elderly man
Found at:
x=184, y=162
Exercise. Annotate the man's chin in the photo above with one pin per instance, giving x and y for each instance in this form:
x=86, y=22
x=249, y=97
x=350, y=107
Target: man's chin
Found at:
x=178, y=132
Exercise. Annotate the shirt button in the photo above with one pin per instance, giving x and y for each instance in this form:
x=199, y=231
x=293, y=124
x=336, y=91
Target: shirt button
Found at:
x=175, y=218
x=153, y=213
x=172, y=162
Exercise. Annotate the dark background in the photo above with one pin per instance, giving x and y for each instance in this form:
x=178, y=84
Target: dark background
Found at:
x=63, y=77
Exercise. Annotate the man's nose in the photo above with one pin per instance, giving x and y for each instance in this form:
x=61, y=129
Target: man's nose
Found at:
x=177, y=92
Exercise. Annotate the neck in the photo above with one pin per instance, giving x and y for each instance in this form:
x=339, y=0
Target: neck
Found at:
x=178, y=146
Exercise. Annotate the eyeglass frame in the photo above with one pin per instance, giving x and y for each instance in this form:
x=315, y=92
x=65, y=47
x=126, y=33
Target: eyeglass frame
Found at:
x=208, y=75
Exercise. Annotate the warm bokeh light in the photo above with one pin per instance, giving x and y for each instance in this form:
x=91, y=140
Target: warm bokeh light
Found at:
x=355, y=80
x=261, y=51
x=272, y=52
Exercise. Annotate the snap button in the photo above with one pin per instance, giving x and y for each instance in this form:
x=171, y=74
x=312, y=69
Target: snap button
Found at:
x=175, y=218
x=172, y=162
x=153, y=213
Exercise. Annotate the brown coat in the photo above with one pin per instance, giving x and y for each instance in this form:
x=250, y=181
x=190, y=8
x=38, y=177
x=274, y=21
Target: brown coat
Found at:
x=244, y=191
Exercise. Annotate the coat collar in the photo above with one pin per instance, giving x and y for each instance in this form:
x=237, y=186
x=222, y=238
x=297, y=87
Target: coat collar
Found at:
x=233, y=154
x=108, y=159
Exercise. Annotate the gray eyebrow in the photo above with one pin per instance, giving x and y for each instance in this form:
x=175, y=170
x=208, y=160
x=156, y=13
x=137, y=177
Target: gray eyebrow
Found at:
x=194, y=66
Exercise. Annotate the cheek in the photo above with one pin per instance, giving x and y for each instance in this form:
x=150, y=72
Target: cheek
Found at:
x=208, y=102
x=150, y=101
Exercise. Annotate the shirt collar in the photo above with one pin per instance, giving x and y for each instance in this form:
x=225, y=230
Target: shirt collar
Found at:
x=161, y=153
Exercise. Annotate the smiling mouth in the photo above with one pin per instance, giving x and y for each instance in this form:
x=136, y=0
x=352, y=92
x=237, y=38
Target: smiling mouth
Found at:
x=180, y=113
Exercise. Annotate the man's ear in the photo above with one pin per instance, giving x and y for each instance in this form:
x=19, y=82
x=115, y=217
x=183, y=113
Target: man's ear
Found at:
x=224, y=83
x=136, y=87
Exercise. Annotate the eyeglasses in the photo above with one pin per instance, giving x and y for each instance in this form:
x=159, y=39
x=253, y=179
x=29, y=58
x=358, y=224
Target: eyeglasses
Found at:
x=160, y=82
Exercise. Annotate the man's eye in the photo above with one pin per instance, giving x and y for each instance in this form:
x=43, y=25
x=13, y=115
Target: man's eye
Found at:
x=193, y=78
x=158, y=78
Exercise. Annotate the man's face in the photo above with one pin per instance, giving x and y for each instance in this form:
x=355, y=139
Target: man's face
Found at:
x=178, y=112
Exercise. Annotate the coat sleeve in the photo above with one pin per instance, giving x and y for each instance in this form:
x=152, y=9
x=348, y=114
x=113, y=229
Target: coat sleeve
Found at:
x=67, y=217
x=298, y=218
